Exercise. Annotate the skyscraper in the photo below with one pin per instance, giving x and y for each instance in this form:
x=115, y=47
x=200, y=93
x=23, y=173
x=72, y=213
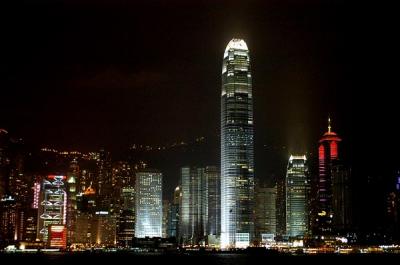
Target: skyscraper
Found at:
x=71, y=201
x=194, y=204
x=213, y=200
x=265, y=210
x=173, y=215
x=342, y=200
x=126, y=226
x=53, y=205
x=328, y=154
x=165, y=217
x=237, y=154
x=297, y=192
x=148, y=204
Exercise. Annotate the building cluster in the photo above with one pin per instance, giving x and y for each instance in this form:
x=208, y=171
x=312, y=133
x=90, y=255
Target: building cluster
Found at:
x=79, y=201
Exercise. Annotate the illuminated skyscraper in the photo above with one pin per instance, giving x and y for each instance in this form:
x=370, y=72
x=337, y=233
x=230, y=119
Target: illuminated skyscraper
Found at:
x=71, y=201
x=297, y=192
x=53, y=205
x=8, y=221
x=213, y=200
x=193, y=217
x=237, y=154
x=126, y=227
x=327, y=156
x=148, y=204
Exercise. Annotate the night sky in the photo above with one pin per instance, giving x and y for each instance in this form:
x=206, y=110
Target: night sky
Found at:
x=90, y=74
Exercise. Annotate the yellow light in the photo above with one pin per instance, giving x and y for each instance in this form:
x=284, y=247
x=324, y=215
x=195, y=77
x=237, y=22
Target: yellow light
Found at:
x=323, y=213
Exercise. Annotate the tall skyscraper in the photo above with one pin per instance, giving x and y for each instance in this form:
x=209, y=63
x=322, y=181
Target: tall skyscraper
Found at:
x=173, y=215
x=126, y=226
x=148, y=204
x=53, y=205
x=297, y=192
x=193, y=213
x=8, y=221
x=237, y=150
x=342, y=200
x=281, y=206
x=213, y=200
x=165, y=221
x=265, y=210
x=328, y=154
x=71, y=200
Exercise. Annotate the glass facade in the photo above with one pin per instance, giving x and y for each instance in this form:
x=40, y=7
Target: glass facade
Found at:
x=194, y=205
x=297, y=193
x=148, y=204
x=214, y=200
x=237, y=154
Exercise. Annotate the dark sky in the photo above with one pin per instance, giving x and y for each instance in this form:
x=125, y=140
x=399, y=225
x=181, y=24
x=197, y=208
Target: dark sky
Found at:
x=87, y=74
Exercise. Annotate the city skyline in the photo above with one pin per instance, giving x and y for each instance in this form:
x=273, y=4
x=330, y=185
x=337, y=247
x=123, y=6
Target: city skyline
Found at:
x=118, y=127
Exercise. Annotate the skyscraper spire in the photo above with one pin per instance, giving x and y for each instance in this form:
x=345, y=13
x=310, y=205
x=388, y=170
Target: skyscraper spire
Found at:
x=329, y=124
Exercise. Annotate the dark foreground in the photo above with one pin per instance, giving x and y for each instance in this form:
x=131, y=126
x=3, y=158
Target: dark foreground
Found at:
x=185, y=258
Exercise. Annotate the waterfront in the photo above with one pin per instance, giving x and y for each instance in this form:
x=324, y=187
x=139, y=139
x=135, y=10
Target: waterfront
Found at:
x=219, y=258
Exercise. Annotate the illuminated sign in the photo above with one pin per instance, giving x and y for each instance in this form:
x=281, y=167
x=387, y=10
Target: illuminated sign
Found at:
x=36, y=193
x=102, y=213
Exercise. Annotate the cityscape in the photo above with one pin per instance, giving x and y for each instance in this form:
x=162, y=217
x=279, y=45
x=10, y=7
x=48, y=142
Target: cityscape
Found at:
x=188, y=173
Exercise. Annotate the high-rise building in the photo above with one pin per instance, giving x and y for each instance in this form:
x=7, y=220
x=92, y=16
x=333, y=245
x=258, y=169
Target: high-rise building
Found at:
x=342, y=200
x=71, y=203
x=148, y=204
x=8, y=221
x=199, y=214
x=166, y=210
x=237, y=150
x=328, y=154
x=213, y=200
x=297, y=193
x=173, y=213
x=85, y=218
x=265, y=210
x=4, y=162
x=53, y=205
x=193, y=209
x=126, y=226
x=103, y=229
x=281, y=206
x=104, y=182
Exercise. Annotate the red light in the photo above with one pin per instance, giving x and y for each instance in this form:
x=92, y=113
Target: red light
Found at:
x=334, y=150
x=321, y=152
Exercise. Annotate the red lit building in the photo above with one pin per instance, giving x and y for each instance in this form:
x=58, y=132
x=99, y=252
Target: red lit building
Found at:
x=57, y=236
x=328, y=154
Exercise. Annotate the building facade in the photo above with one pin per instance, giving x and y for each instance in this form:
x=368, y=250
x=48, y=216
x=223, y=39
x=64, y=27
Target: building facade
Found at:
x=265, y=210
x=328, y=155
x=52, y=206
x=297, y=197
x=237, y=150
x=193, y=208
x=148, y=222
